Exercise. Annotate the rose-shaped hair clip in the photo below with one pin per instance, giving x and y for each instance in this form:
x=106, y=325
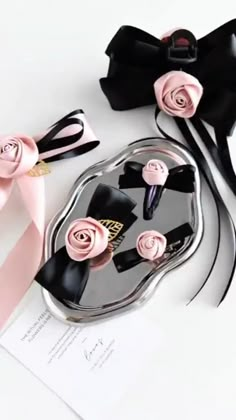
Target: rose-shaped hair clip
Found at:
x=23, y=161
x=178, y=94
x=155, y=178
x=89, y=244
x=66, y=274
x=152, y=246
x=85, y=239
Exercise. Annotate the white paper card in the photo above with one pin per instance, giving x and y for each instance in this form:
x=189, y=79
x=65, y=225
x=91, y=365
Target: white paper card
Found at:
x=91, y=367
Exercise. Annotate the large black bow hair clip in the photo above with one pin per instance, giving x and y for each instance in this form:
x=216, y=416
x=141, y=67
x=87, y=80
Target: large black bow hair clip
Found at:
x=187, y=78
x=108, y=217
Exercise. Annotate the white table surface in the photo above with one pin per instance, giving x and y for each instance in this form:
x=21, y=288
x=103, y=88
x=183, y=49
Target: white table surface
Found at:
x=52, y=55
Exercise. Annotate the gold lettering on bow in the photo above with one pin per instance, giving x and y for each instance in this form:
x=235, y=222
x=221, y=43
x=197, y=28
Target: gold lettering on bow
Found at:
x=40, y=169
x=113, y=227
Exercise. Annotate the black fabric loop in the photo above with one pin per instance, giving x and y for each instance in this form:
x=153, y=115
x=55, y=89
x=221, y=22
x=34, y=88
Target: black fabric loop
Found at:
x=214, y=38
x=77, y=151
x=130, y=258
x=180, y=178
x=110, y=203
x=59, y=273
x=49, y=141
x=71, y=114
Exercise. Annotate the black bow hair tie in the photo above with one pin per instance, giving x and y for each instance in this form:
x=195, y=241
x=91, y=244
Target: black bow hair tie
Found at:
x=175, y=239
x=181, y=178
x=65, y=278
x=138, y=59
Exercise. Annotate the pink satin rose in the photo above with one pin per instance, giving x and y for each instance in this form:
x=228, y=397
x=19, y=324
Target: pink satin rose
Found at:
x=151, y=245
x=155, y=172
x=18, y=154
x=86, y=238
x=178, y=94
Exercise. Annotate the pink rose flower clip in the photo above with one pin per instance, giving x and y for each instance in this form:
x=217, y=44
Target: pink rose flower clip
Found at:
x=155, y=172
x=178, y=93
x=18, y=154
x=86, y=238
x=151, y=245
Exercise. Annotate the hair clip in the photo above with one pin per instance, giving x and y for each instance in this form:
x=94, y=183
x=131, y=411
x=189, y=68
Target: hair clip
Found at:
x=152, y=246
x=23, y=161
x=89, y=244
x=66, y=274
x=185, y=77
x=155, y=177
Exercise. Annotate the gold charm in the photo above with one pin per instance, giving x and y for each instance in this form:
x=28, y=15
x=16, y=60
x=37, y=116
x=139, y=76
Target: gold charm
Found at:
x=113, y=227
x=40, y=169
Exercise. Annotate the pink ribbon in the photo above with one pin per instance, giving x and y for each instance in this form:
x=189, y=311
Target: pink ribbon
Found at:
x=71, y=136
x=18, y=155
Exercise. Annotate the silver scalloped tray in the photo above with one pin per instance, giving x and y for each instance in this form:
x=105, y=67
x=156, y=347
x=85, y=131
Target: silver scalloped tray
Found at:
x=108, y=292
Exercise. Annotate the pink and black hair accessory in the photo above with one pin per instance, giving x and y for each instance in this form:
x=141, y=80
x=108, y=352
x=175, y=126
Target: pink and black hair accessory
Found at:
x=188, y=79
x=155, y=177
x=151, y=246
x=22, y=163
x=66, y=274
x=89, y=244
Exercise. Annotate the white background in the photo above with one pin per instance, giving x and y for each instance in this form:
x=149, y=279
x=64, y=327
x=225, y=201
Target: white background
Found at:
x=51, y=57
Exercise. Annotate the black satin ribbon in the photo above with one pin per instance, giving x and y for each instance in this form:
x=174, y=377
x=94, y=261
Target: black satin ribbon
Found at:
x=181, y=178
x=223, y=214
x=110, y=203
x=65, y=278
x=138, y=59
x=130, y=258
x=50, y=142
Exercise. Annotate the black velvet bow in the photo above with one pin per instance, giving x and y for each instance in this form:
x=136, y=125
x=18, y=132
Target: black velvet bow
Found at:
x=181, y=178
x=65, y=278
x=138, y=59
x=175, y=239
